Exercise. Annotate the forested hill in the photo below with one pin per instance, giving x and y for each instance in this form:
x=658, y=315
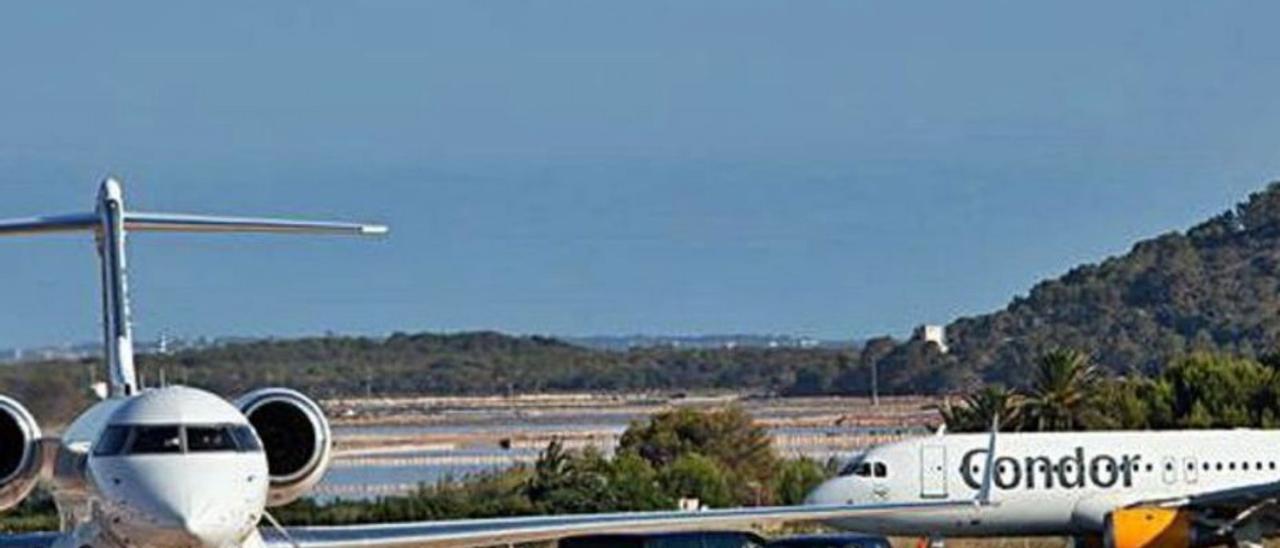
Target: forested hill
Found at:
x=478, y=363
x=1214, y=287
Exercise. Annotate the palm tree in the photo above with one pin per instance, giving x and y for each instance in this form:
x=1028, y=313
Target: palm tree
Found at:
x=978, y=409
x=1063, y=393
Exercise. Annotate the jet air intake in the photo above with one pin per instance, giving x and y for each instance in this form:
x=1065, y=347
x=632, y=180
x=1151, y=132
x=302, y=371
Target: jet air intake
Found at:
x=19, y=453
x=295, y=436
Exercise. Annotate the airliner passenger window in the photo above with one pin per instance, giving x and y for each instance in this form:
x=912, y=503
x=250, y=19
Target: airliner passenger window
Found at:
x=156, y=439
x=210, y=438
x=112, y=441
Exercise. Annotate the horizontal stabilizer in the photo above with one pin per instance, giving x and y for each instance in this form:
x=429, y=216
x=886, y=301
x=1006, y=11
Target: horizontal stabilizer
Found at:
x=51, y=223
x=176, y=222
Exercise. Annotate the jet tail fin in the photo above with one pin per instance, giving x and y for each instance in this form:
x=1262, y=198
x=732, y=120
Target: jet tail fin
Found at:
x=110, y=222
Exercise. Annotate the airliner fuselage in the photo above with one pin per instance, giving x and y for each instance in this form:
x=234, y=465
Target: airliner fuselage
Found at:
x=1064, y=483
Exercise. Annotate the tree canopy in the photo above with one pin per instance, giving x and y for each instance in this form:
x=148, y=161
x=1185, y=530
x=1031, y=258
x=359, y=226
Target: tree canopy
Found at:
x=1201, y=390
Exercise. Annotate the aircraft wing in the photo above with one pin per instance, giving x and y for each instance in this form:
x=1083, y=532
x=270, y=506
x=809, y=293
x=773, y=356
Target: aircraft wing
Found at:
x=1234, y=498
x=1232, y=507
x=29, y=540
x=504, y=531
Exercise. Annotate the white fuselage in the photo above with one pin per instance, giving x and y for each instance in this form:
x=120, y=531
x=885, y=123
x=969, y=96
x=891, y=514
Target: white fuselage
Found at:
x=168, y=467
x=1045, y=483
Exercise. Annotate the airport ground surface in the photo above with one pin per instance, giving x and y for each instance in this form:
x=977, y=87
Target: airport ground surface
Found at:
x=389, y=446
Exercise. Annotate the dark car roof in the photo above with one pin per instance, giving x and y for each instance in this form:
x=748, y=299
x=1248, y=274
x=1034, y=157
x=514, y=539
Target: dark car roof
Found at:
x=835, y=539
x=639, y=540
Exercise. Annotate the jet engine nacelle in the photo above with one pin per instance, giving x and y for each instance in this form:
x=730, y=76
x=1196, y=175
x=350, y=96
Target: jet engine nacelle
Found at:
x=19, y=453
x=295, y=436
x=1154, y=526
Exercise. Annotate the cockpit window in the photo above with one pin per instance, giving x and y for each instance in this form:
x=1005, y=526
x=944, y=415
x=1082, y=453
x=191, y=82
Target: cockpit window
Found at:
x=860, y=469
x=210, y=438
x=149, y=440
x=246, y=438
x=112, y=441
x=864, y=469
x=131, y=439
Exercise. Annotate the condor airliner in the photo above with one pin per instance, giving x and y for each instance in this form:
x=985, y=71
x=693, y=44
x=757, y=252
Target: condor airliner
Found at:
x=1125, y=489
x=181, y=467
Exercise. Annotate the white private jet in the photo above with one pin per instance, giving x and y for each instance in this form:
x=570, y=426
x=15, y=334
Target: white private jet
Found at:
x=181, y=467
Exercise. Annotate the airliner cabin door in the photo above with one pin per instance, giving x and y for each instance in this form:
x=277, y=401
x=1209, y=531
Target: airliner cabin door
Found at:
x=1170, y=470
x=933, y=471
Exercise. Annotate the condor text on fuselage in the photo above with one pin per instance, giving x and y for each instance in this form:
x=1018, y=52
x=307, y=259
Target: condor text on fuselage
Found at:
x=1074, y=470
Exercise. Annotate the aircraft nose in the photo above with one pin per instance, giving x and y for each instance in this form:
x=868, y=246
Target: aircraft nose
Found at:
x=208, y=532
x=202, y=519
x=188, y=502
x=829, y=492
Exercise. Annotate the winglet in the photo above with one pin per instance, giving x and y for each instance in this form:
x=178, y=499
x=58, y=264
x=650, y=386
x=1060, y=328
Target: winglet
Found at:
x=989, y=471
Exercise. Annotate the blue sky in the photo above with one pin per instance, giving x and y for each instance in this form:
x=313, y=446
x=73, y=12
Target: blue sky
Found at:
x=836, y=169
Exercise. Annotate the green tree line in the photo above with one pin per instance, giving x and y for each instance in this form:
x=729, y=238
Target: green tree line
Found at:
x=1069, y=392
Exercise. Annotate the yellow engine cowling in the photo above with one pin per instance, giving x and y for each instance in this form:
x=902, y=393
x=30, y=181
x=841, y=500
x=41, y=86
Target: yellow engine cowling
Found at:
x=1150, y=528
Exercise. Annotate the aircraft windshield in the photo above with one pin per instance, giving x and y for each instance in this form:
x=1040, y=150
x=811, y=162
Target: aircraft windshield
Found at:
x=854, y=466
x=210, y=438
x=865, y=469
x=156, y=439
x=175, y=439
